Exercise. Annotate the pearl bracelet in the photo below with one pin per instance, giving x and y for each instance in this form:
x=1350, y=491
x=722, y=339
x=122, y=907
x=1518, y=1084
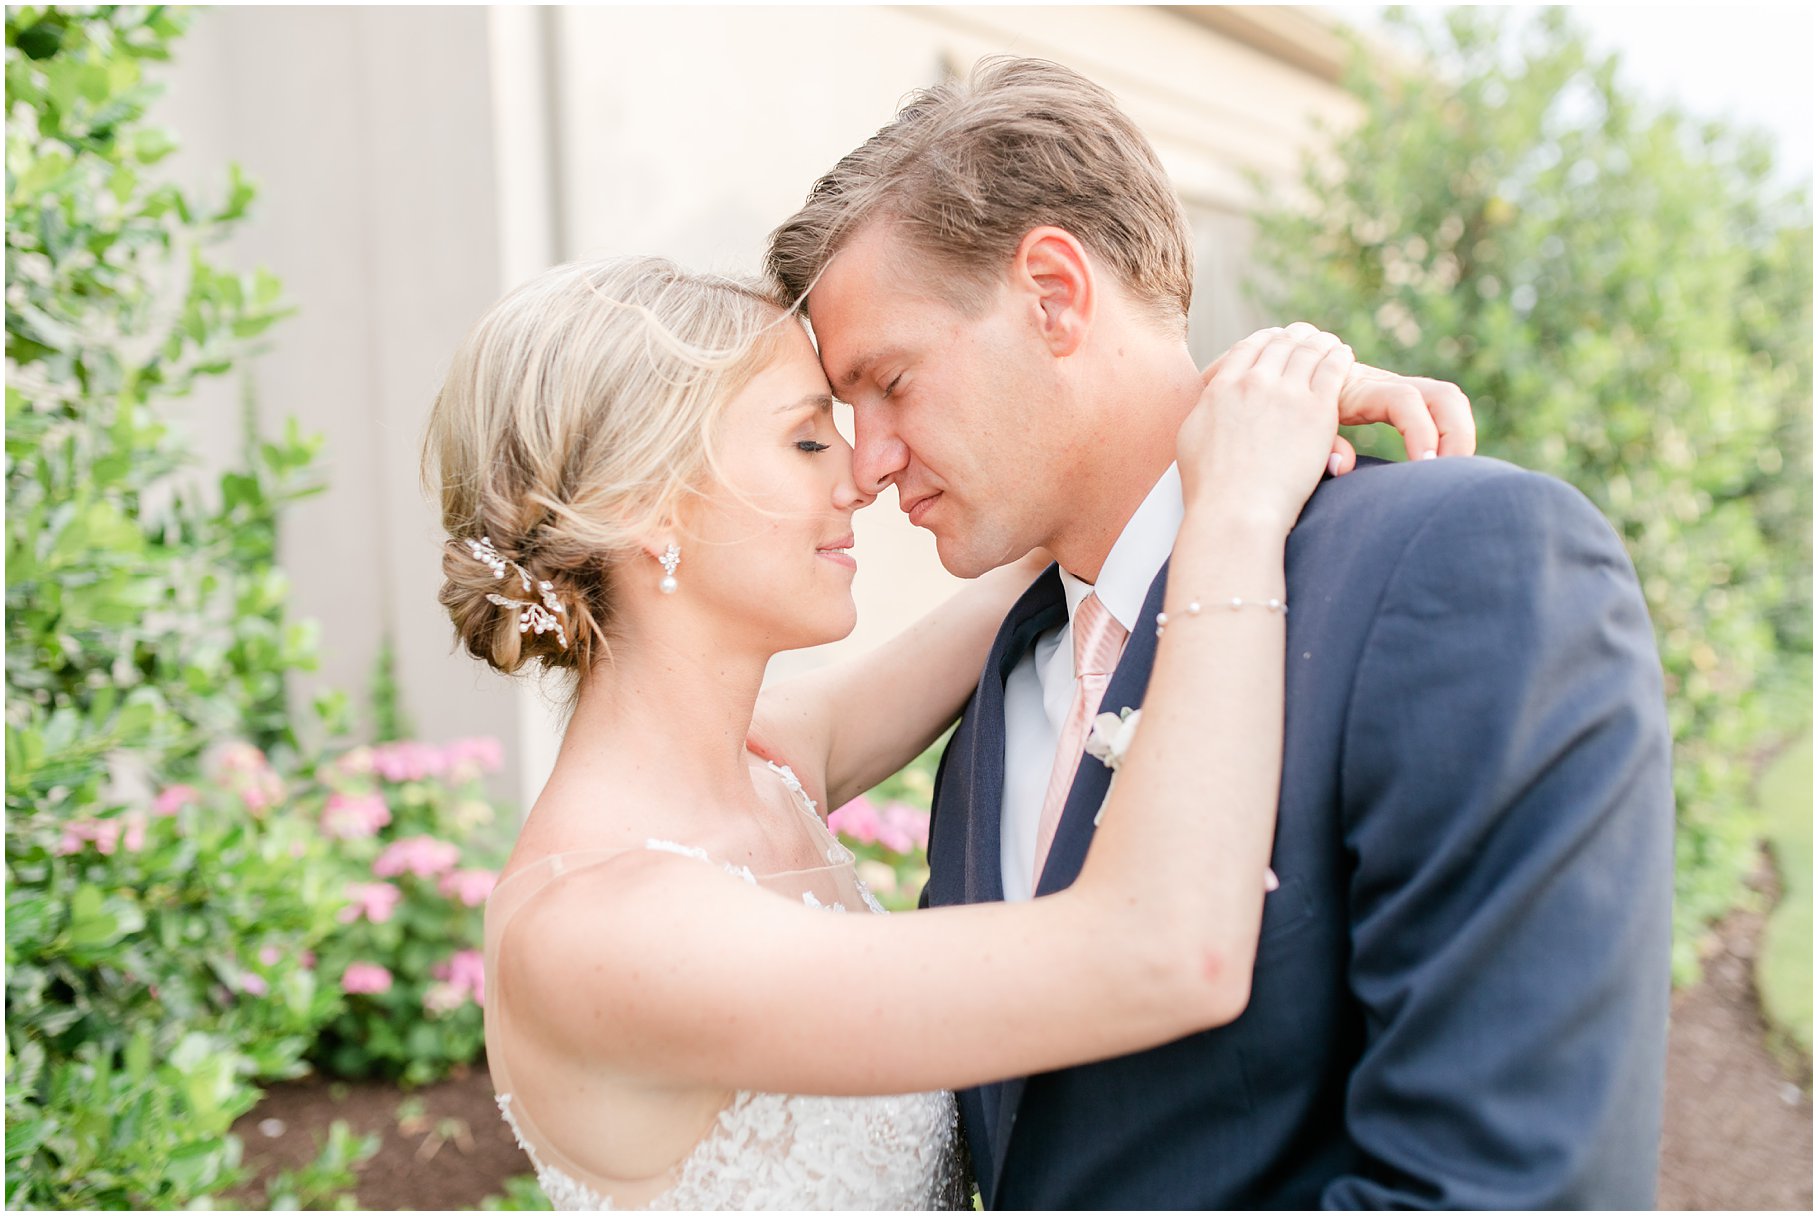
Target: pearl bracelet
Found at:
x=1236, y=604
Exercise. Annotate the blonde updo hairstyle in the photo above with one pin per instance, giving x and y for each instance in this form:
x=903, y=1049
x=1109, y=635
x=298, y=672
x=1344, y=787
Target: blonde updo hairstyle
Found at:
x=576, y=417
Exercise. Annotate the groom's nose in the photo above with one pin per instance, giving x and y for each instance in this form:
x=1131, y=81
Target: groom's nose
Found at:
x=878, y=454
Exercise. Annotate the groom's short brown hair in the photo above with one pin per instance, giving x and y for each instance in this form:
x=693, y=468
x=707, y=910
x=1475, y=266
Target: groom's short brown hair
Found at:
x=969, y=166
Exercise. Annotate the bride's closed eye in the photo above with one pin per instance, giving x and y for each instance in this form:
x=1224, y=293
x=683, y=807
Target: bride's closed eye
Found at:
x=811, y=446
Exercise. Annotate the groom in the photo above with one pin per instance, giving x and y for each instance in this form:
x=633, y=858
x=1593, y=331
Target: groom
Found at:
x=1460, y=996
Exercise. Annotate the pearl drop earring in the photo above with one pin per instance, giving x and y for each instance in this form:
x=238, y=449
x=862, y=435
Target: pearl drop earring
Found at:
x=672, y=556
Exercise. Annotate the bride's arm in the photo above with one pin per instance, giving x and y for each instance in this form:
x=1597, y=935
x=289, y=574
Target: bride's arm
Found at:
x=702, y=979
x=862, y=719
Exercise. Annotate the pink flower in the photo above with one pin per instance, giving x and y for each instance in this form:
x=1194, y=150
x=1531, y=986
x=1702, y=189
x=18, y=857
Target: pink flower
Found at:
x=444, y=998
x=899, y=827
x=857, y=819
x=365, y=979
x=376, y=901
x=471, y=887
x=466, y=759
x=104, y=834
x=269, y=955
x=356, y=763
x=253, y=985
x=243, y=770
x=175, y=799
x=904, y=829
x=465, y=969
x=308, y=959
x=261, y=796
x=407, y=761
x=76, y=836
x=355, y=816
x=424, y=856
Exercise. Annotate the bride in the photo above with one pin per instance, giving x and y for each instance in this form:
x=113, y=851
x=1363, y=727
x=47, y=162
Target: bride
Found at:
x=688, y=1004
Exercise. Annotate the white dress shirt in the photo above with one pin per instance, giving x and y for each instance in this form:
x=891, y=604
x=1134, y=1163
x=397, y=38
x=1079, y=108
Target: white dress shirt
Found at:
x=1039, y=692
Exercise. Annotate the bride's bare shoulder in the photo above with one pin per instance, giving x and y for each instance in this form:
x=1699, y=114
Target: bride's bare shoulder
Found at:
x=594, y=928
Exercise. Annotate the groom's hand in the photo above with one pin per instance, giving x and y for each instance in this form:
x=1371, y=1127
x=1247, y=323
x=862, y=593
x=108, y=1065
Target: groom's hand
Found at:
x=1433, y=416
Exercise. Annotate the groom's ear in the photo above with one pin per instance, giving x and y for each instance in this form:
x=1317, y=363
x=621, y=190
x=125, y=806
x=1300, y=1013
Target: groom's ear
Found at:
x=1052, y=269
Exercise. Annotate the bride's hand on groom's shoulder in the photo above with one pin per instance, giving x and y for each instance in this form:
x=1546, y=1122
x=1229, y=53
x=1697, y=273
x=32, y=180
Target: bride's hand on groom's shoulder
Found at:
x=1262, y=433
x=1433, y=416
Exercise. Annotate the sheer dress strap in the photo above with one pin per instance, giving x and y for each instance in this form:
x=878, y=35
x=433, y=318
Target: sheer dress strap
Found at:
x=522, y=885
x=795, y=787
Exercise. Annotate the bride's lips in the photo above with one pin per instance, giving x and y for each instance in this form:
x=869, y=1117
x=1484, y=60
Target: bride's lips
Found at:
x=917, y=508
x=837, y=552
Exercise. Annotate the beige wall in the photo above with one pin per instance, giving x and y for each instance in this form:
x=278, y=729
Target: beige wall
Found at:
x=370, y=133
x=418, y=161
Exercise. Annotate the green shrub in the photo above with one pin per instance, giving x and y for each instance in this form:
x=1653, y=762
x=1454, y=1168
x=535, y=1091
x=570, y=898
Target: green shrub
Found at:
x=156, y=963
x=159, y=964
x=522, y=1194
x=1627, y=301
x=137, y=597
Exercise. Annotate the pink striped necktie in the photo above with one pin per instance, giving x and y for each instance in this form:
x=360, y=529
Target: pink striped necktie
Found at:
x=1098, y=642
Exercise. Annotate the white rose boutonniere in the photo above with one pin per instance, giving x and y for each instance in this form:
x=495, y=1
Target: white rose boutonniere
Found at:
x=1110, y=736
x=1109, y=741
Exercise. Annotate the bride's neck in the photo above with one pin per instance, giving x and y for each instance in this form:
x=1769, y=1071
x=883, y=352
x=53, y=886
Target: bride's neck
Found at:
x=678, y=713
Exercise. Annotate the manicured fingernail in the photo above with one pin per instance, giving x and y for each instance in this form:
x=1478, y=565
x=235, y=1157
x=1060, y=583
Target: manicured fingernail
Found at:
x=1270, y=882
x=1332, y=464
x=1429, y=455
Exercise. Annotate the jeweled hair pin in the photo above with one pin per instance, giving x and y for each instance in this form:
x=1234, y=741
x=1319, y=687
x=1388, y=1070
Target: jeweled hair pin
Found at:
x=538, y=617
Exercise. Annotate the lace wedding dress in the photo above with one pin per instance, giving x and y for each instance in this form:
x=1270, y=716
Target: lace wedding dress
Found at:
x=760, y=1151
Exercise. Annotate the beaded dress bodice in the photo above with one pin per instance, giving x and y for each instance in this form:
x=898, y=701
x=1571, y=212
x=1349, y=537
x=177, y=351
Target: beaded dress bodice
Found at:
x=762, y=1151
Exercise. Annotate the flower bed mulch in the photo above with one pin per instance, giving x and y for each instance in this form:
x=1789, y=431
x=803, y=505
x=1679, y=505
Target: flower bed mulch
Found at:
x=1738, y=1123
x=456, y=1153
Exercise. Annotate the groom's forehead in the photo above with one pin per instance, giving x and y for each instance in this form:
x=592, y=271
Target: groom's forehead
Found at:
x=848, y=347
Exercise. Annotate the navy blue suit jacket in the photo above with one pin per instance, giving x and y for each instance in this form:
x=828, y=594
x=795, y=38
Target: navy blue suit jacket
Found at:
x=1461, y=988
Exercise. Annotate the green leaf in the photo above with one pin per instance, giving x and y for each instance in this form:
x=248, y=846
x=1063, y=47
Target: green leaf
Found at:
x=92, y=926
x=152, y=144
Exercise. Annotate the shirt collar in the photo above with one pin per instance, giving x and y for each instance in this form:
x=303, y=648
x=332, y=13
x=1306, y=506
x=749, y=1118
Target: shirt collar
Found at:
x=1141, y=550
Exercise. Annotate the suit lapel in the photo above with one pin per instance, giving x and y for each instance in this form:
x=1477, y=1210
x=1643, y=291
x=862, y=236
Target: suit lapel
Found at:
x=1073, y=835
x=969, y=798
